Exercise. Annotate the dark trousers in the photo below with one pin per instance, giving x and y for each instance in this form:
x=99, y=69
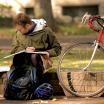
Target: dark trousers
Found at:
x=30, y=59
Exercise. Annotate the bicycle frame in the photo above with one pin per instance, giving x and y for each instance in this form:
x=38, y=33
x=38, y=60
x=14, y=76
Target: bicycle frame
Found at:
x=97, y=42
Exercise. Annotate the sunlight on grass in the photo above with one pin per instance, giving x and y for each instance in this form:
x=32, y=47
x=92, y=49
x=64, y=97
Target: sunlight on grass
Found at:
x=5, y=62
x=83, y=62
x=67, y=62
x=96, y=64
x=79, y=58
x=75, y=30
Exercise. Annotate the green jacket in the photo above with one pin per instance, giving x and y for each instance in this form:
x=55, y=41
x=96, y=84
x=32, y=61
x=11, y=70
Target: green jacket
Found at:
x=43, y=40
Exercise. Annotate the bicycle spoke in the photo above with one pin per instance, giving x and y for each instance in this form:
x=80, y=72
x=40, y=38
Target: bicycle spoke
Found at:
x=71, y=76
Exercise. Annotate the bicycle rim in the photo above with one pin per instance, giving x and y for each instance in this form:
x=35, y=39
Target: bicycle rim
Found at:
x=73, y=79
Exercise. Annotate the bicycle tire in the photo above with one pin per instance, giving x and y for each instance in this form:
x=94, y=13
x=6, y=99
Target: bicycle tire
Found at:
x=91, y=78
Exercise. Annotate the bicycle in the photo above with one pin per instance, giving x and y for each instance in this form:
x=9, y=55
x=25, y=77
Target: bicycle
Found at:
x=82, y=64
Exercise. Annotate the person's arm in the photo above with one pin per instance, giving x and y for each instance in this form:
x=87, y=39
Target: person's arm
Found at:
x=16, y=46
x=54, y=48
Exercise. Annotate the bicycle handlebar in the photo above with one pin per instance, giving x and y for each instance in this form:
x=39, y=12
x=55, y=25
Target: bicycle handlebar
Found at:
x=90, y=20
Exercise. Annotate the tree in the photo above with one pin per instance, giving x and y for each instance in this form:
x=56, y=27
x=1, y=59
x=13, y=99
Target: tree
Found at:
x=43, y=9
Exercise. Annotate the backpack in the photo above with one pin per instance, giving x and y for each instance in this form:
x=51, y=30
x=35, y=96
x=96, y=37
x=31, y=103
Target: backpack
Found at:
x=19, y=85
x=24, y=80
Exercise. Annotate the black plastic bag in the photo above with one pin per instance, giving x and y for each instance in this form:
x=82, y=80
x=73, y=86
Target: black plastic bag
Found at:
x=20, y=84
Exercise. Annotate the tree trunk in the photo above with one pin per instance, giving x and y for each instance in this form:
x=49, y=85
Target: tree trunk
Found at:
x=43, y=9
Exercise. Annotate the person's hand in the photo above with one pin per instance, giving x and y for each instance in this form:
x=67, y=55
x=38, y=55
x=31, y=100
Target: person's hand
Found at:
x=46, y=56
x=30, y=49
x=85, y=18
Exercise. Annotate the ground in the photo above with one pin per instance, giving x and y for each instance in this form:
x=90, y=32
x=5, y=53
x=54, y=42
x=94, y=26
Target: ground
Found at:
x=57, y=100
x=5, y=43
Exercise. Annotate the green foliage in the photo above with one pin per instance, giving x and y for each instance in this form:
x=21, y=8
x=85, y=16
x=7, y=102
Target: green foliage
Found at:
x=5, y=6
x=5, y=10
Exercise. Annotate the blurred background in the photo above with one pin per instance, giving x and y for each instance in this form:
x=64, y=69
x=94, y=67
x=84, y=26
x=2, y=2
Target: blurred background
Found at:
x=60, y=11
x=63, y=16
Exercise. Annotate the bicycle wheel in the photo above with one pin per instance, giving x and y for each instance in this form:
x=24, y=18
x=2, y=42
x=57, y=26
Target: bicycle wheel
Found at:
x=70, y=70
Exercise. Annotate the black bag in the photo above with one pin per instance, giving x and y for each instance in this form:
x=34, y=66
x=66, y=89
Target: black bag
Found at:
x=19, y=84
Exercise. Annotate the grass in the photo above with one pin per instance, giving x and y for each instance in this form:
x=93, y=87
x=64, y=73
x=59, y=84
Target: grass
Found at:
x=63, y=30
x=6, y=32
x=77, y=59
x=68, y=61
x=75, y=30
x=5, y=62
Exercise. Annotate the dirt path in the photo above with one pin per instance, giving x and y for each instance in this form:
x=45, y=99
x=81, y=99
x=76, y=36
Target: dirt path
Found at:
x=5, y=43
x=59, y=100
x=72, y=39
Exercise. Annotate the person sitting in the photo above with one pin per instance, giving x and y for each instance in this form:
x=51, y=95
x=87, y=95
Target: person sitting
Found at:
x=27, y=69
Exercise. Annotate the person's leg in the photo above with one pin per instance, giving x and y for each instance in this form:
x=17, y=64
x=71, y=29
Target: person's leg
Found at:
x=33, y=75
x=34, y=59
x=38, y=64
